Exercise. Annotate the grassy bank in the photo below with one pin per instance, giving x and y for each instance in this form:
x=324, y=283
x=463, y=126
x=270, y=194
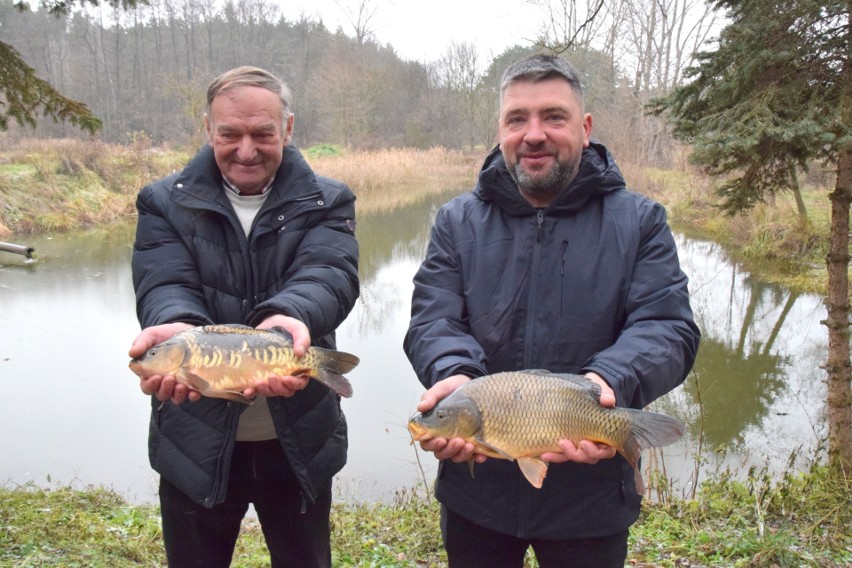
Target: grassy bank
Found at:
x=800, y=521
x=59, y=185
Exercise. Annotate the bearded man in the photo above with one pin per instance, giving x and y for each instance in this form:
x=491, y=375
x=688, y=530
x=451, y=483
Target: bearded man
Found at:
x=550, y=263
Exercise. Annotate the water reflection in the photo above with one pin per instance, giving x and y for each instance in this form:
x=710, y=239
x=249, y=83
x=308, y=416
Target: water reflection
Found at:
x=66, y=322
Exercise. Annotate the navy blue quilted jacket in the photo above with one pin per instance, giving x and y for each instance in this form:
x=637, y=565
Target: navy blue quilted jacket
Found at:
x=591, y=283
x=193, y=263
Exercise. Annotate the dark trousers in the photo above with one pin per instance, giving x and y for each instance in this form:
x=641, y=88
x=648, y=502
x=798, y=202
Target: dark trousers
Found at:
x=297, y=534
x=469, y=545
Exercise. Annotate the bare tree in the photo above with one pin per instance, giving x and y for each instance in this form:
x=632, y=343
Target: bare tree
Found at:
x=362, y=17
x=460, y=74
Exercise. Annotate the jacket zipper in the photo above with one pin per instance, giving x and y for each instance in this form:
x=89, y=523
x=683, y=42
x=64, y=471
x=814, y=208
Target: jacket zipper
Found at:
x=562, y=276
x=530, y=326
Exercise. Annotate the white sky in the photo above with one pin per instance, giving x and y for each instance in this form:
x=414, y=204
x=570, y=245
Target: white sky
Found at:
x=422, y=30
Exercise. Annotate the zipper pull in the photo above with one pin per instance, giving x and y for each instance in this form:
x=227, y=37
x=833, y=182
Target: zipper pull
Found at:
x=539, y=223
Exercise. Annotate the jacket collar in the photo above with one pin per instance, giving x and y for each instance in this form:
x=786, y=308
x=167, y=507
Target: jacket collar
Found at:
x=200, y=183
x=598, y=175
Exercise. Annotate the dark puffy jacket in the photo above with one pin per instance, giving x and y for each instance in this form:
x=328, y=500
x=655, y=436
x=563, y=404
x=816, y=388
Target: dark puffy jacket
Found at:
x=193, y=263
x=591, y=283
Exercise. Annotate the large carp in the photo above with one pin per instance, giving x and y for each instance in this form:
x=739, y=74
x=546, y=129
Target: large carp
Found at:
x=522, y=414
x=222, y=360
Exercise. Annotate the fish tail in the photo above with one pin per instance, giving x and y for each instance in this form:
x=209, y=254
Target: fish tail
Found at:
x=335, y=381
x=649, y=430
x=338, y=361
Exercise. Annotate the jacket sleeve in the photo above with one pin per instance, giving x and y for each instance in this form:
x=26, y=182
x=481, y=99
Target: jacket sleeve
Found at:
x=659, y=339
x=439, y=342
x=165, y=274
x=321, y=285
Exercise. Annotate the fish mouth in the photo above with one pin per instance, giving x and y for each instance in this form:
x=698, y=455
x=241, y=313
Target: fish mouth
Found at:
x=417, y=431
x=135, y=366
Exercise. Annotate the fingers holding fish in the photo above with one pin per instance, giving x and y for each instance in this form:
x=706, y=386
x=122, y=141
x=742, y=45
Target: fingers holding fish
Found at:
x=442, y=389
x=297, y=329
x=586, y=451
x=607, y=398
x=278, y=386
x=453, y=449
x=154, y=335
x=165, y=388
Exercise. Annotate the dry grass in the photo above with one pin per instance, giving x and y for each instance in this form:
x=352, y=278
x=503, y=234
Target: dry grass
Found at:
x=387, y=179
x=59, y=185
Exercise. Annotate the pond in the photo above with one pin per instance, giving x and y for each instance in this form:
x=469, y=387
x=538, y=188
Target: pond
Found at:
x=74, y=413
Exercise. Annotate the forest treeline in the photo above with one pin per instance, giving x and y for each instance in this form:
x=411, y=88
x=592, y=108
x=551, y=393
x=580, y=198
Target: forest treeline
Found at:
x=144, y=70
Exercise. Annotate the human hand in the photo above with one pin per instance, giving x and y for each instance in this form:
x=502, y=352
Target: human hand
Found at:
x=163, y=387
x=586, y=451
x=285, y=386
x=455, y=449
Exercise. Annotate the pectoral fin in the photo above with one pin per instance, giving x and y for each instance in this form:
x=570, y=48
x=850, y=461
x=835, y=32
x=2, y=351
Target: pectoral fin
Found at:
x=497, y=451
x=195, y=382
x=534, y=470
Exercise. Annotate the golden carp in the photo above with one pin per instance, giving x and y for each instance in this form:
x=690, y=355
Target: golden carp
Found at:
x=222, y=360
x=523, y=414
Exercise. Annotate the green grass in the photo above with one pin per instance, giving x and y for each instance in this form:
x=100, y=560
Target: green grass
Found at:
x=801, y=520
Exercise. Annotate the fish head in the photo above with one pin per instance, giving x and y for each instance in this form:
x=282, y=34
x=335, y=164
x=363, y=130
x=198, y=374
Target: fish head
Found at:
x=454, y=417
x=163, y=359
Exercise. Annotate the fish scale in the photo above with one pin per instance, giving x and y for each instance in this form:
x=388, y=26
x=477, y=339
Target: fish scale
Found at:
x=519, y=415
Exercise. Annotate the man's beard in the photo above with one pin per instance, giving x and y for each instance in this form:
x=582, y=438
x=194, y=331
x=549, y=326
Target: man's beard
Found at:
x=544, y=187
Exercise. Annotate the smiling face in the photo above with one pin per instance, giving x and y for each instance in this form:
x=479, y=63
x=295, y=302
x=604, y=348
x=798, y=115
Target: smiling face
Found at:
x=543, y=130
x=247, y=129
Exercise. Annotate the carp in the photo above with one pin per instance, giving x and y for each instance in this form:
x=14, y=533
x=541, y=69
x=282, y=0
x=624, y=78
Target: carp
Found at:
x=520, y=415
x=221, y=361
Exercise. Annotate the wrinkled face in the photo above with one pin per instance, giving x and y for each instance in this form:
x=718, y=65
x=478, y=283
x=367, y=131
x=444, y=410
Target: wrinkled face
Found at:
x=450, y=418
x=163, y=359
x=543, y=130
x=247, y=129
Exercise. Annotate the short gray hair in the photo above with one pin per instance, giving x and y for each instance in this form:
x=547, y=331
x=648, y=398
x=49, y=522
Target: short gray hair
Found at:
x=250, y=77
x=539, y=68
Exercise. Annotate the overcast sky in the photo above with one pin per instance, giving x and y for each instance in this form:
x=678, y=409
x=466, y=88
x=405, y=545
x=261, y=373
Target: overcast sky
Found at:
x=422, y=30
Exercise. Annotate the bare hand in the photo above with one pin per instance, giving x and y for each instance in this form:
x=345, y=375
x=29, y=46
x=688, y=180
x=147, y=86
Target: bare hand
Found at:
x=285, y=386
x=454, y=449
x=162, y=387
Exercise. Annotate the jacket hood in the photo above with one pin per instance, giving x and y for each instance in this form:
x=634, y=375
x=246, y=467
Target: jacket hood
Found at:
x=598, y=175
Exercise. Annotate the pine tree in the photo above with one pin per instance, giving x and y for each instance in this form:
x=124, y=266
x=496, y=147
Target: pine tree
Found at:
x=774, y=94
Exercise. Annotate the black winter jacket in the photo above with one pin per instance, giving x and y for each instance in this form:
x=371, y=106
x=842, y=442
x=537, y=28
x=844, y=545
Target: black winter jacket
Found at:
x=591, y=283
x=193, y=263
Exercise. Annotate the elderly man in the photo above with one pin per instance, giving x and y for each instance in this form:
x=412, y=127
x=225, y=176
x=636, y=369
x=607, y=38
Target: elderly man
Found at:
x=550, y=263
x=246, y=234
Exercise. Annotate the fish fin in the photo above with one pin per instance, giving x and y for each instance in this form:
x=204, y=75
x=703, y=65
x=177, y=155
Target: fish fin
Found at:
x=534, y=469
x=637, y=479
x=338, y=361
x=232, y=396
x=591, y=388
x=493, y=448
x=648, y=430
x=470, y=463
x=195, y=382
x=287, y=336
x=336, y=382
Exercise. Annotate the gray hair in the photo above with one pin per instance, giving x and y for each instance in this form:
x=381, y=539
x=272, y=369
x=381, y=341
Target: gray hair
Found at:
x=250, y=77
x=539, y=68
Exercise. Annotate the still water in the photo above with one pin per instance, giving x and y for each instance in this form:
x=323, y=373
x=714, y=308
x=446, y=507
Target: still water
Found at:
x=73, y=412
